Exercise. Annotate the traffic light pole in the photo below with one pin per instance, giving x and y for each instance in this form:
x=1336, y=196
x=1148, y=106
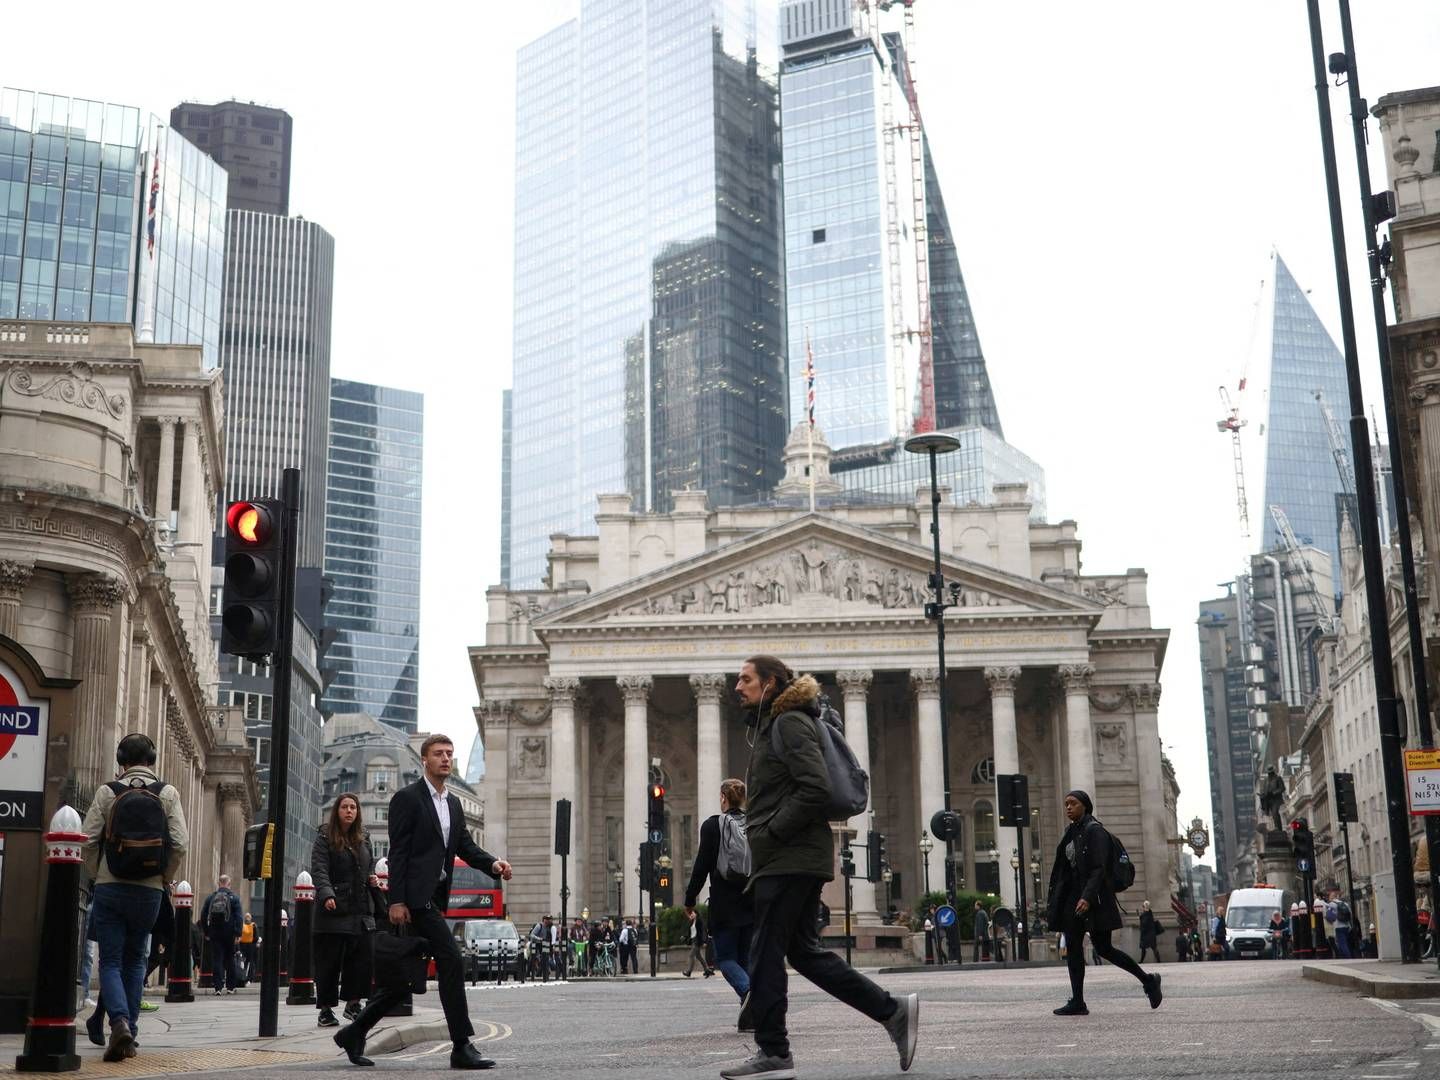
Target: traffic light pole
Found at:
x=1023, y=939
x=1350, y=882
x=280, y=666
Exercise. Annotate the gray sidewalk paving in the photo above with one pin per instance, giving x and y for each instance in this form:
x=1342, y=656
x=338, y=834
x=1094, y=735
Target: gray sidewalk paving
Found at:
x=1386, y=979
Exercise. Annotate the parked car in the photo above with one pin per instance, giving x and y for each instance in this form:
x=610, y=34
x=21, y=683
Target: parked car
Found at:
x=491, y=948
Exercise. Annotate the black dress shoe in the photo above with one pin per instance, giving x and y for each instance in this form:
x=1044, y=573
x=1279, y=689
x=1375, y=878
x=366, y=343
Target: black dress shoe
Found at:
x=1152, y=990
x=1072, y=1008
x=95, y=1027
x=467, y=1057
x=352, y=1040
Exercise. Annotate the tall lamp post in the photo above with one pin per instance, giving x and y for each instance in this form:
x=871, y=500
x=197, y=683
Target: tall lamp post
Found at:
x=934, y=443
x=1015, y=870
x=886, y=876
x=926, y=846
x=1035, y=894
x=619, y=878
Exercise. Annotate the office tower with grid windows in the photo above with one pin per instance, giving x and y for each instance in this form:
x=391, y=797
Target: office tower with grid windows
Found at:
x=250, y=142
x=372, y=552
x=648, y=319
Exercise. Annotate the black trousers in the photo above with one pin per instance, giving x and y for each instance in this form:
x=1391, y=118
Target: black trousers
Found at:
x=630, y=959
x=449, y=970
x=342, y=968
x=787, y=910
x=1076, y=927
x=222, y=960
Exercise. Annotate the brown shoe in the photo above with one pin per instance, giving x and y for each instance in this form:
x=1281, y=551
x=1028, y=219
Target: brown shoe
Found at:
x=121, y=1041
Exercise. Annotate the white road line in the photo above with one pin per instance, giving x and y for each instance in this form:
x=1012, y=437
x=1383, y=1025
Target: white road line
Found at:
x=1070, y=1046
x=1193, y=1044
x=1322, y=1040
x=945, y=1048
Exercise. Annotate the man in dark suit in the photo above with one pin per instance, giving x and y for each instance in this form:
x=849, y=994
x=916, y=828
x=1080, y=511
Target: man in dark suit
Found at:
x=427, y=831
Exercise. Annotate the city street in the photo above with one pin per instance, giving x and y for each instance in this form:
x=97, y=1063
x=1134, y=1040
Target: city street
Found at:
x=1251, y=1020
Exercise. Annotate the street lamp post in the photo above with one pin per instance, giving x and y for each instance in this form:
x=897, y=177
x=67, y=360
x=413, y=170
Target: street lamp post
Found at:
x=619, y=879
x=886, y=876
x=1035, y=894
x=993, y=856
x=926, y=846
x=934, y=443
x=1015, y=870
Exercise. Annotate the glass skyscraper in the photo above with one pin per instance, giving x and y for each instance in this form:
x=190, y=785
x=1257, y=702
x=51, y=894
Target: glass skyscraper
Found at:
x=1300, y=473
x=850, y=259
x=76, y=242
x=649, y=328
x=372, y=551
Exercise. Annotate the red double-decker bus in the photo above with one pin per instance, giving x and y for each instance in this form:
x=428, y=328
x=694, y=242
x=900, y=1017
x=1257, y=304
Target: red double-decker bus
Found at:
x=474, y=894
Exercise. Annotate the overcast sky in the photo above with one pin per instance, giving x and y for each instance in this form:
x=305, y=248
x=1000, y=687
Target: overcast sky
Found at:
x=1115, y=174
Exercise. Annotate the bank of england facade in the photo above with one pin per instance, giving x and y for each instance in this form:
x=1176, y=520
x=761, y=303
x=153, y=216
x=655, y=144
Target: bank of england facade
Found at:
x=630, y=651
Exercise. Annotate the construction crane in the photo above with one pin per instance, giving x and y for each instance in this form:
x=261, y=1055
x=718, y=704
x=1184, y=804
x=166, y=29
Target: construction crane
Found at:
x=1302, y=563
x=1232, y=423
x=1338, y=449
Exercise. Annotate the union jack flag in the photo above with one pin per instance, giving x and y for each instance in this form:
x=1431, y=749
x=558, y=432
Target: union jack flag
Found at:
x=809, y=381
x=150, y=215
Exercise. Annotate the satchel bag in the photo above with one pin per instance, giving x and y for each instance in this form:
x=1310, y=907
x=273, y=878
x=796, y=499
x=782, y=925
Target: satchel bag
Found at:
x=400, y=961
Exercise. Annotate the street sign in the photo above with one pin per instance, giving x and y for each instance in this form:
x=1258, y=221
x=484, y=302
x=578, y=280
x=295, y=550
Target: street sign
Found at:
x=945, y=916
x=24, y=739
x=657, y=836
x=1422, y=769
x=1302, y=866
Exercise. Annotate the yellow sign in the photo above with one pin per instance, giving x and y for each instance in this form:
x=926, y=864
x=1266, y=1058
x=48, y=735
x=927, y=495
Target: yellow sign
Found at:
x=1422, y=770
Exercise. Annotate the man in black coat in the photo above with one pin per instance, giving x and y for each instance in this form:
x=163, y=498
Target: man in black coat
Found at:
x=1083, y=901
x=223, y=918
x=427, y=831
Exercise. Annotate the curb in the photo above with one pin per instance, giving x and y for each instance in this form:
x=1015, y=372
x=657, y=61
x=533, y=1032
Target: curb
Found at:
x=1382, y=986
x=982, y=966
x=404, y=1035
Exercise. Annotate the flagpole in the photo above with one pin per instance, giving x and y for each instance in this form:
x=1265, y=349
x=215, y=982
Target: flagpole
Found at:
x=810, y=431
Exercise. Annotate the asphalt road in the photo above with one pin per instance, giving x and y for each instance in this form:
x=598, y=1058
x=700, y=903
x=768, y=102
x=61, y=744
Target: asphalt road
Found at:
x=1254, y=1020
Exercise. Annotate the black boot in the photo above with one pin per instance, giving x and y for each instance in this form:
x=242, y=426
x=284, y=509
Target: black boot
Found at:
x=1072, y=1008
x=1152, y=990
x=352, y=1040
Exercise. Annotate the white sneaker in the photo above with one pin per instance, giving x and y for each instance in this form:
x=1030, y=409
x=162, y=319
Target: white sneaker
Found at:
x=761, y=1066
x=904, y=1027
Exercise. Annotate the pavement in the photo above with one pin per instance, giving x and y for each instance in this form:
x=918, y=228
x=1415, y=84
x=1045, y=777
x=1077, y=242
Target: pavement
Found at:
x=1264, y=1020
x=1378, y=978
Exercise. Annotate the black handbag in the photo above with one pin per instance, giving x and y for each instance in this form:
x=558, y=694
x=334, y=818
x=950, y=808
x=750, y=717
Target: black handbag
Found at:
x=400, y=961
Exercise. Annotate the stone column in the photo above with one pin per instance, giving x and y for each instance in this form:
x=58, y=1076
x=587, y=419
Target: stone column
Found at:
x=93, y=598
x=562, y=771
x=929, y=765
x=192, y=484
x=1079, y=742
x=1154, y=833
x=137, y=698
x=14, y=576
x=233, y=799
x=1006, y=751
x=707, y=690
x=495, y=717
x=855, y=686
x=165, y=470
x=636, y=690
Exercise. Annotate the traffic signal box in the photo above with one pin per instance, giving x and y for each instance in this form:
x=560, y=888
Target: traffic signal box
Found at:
x=648, y=853
x=250, y=606
x=874, y=855
x=1012, y=792
x=1345, y=797
x=1302, y=843
x=657, y=812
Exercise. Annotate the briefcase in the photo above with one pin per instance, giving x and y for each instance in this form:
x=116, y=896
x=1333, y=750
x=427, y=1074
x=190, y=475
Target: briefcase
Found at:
x=400, y=960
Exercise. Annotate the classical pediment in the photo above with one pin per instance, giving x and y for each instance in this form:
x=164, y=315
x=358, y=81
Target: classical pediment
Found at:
x=810, y=567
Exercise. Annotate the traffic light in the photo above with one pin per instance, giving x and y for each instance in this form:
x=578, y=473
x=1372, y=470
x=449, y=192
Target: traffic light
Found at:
x=1345, y=797
x=664, y=888
x=1302, y=840
x=250, y=607
x=657, y=813
x=847, y=862
x=647, y=867
x=874, y=855
x=1012, y=796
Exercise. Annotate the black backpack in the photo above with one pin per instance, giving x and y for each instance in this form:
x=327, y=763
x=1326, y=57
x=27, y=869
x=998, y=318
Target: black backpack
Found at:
x=137, y=835
x=849, y=783
x=217, y=915
x=1121, y=870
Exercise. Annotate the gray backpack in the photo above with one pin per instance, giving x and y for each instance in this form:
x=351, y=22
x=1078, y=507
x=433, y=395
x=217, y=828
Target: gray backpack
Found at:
x=733, y=860
x=849, y=783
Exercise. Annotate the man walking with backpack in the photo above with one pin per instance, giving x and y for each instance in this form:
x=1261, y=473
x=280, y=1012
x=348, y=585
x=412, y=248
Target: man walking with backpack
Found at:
x=791, y=787
x=629, y=949
x=136, y=838
x=1082, y=900
x=223, y=922
x=724, y=859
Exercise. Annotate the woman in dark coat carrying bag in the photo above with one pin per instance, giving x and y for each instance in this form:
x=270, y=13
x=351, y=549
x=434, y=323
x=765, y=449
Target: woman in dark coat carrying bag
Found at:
x=342, y=868
x=1082, y=901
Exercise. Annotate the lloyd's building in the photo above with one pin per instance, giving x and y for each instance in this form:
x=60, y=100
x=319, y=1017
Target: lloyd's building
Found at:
x=623, y=657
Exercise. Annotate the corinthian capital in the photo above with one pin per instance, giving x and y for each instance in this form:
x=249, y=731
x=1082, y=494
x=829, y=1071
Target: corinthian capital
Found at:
x=856, y=682
x=563, y=689
x=635, y=688
x=708, y=688
x=14, y=576
x=1144, y=696
x=94, y=592
x=1001, y=680
x=926, y=681
x=1075, y=678
x=231, y=792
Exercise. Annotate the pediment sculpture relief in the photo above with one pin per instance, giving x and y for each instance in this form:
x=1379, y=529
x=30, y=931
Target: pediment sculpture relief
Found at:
x=788, y=578
x=1110, y=743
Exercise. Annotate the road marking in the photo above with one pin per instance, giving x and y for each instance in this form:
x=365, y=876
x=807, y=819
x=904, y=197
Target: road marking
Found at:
x=1066, y=1046
x=945, y=1048
x=1322, y=1040
x=1193, y=1044
x=1431, y=1022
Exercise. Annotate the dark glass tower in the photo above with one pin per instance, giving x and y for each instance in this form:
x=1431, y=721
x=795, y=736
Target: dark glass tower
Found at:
x=372, y=551
x=1227, y=730
x=251, y=142
x=648, y=343
x=1300, y=473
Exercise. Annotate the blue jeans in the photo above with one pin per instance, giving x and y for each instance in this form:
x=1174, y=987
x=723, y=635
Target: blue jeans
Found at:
x=87, y=958
x=732, y=956
x=122, y=916
x=1342, y=941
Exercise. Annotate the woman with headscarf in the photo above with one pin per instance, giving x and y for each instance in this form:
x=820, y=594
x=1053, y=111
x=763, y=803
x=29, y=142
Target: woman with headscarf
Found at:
x=1082, y=901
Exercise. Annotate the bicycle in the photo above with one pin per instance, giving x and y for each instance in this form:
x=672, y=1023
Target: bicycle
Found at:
x=604, y=966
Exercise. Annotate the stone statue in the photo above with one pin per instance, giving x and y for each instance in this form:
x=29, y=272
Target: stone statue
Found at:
x=1272, y=797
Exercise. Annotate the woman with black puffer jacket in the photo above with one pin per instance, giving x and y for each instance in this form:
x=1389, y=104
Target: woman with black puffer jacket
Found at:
x=342, y=867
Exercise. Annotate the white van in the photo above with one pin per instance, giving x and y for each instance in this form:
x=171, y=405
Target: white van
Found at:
x=1247, y=919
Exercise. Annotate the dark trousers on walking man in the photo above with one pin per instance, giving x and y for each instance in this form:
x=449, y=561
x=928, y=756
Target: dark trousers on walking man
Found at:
x=222, y=960
x=429, y=924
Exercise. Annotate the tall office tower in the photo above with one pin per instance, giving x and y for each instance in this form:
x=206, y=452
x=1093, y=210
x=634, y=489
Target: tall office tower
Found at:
x=251, y=142
x=1300, y=470
x=372, y=552
x=853, y=175
x=648, y=343
x=506, y=441
x=1227, y=728
x=79, y=240
x=276, y=358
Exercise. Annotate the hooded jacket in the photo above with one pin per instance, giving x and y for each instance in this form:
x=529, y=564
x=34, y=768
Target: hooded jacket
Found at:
x=789, y=792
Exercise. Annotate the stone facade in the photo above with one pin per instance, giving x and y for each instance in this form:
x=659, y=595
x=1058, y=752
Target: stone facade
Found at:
x=110, y=461
x=630, y=652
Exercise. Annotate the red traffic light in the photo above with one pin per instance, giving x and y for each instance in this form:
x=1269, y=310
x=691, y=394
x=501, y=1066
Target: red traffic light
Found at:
x=657, y=792
x=1298, y=824
x=249, y=522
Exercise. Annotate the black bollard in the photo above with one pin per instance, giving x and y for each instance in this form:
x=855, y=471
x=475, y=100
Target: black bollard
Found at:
x=178, y=986
x=302, y=986
x=50, y=1033
x=207, y=970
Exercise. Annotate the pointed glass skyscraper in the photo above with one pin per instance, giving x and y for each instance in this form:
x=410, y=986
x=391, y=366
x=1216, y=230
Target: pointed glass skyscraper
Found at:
x=1300, y=473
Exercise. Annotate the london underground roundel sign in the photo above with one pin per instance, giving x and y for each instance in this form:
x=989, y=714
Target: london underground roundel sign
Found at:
x=23, y=741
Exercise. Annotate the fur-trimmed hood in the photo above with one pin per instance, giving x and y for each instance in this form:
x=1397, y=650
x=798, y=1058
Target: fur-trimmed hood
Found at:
x=800, y=696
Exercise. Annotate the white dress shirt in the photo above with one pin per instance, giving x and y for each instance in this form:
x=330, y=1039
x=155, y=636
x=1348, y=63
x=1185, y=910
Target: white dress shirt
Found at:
x=442, y=809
